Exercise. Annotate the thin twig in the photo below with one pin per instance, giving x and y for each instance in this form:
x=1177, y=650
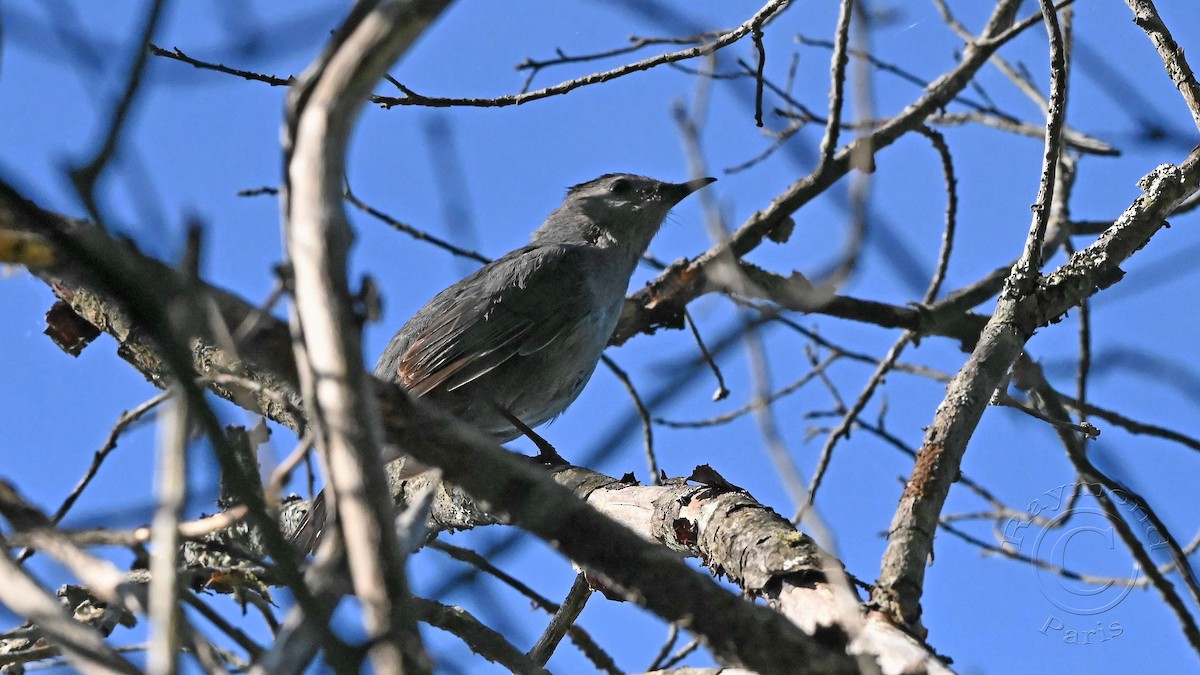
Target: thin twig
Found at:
x=253, y=649
x=722, y=391
x=283, y=472
x=178, y=55
x=580, y=637
x=563, y=619
x=1028, y=375
x=847, y=422
x=85, y=176
x=411, y=231
x=126, y=419
x=761, y=18
x=771, y=397
x=681, y=654
x=635, y=44
x=665, y=651
x=1146, y=17
x=948, y=233
x=1087, y=408
x=757, y=37
x=1005, y=399
x=643, y=414
x=837, y=81
x=478, y=636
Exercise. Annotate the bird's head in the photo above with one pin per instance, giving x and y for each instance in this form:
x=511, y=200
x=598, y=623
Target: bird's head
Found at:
x=616, y=210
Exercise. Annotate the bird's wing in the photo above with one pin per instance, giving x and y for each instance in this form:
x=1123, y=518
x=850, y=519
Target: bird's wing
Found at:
x=516, y=305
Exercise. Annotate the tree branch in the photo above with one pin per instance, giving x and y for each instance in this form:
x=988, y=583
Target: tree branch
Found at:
x=321, y=110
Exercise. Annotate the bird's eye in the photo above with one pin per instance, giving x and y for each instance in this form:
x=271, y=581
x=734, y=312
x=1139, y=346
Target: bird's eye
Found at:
x=619, y=186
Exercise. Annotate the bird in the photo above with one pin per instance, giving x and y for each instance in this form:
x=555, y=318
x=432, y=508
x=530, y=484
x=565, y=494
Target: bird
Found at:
x=510, y=346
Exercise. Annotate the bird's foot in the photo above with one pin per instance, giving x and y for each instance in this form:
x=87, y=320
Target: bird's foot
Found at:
x=547, y=455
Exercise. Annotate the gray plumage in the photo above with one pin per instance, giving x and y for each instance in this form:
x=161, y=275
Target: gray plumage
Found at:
x=524, y=333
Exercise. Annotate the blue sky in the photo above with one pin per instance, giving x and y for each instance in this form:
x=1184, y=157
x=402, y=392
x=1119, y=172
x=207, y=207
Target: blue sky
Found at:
x=197, y=138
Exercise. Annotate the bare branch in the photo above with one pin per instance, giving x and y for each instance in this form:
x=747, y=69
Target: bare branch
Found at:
x=1145, y=15
x=577, y=597
x=85, y=648
x=86, y=175
x=163, y=655
x=344, y=422
x=1017, y=316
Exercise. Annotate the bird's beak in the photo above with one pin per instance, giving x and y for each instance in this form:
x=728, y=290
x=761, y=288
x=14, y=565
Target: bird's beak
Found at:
x=675, y=192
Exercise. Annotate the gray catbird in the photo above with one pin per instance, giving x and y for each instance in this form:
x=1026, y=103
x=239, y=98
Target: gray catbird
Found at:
x=511, y=346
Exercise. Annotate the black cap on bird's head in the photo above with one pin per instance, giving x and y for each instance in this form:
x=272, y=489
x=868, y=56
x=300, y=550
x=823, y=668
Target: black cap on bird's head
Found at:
x=631, y=185
x=615, y=210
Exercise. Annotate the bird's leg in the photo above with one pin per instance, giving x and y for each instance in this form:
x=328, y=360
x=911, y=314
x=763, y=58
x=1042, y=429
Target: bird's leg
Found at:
x=546, y=453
